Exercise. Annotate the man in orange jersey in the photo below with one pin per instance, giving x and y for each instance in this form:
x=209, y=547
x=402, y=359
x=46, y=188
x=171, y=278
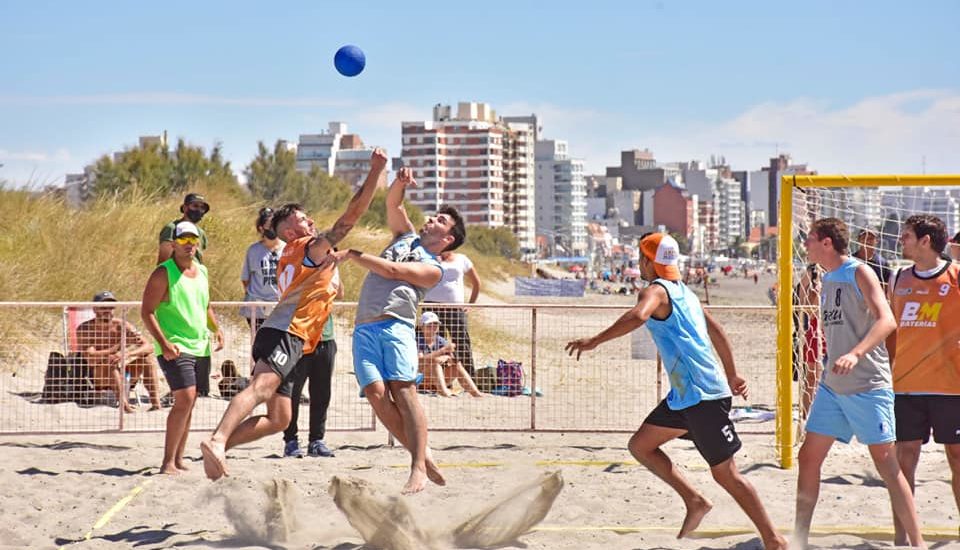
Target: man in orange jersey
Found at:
x=925, y=350
x=294, y=327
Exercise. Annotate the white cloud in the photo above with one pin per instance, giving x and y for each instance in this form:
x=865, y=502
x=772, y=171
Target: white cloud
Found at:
x=892, y=133
x=174, y=98
x=60, y=155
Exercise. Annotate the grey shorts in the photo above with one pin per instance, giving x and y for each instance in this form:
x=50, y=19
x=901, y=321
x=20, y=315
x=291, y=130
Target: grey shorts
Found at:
x=182, y=372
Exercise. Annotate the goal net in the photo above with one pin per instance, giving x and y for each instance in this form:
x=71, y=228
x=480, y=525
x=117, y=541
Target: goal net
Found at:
x=874, y=208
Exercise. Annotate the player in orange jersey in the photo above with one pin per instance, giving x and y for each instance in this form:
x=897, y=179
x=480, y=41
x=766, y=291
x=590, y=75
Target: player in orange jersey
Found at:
x=293, y=328
x=925, y=350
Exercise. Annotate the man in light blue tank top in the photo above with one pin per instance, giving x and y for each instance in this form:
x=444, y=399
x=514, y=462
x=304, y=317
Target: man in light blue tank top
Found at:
x=855, y=396
x=701, y=390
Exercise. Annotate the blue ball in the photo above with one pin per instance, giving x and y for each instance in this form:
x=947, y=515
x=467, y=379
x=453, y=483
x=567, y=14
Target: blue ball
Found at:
x=349, y=60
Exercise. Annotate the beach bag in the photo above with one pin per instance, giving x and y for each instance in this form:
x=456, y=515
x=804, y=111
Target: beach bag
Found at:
x=509, y=378
x=485, y=378
x=66, y=379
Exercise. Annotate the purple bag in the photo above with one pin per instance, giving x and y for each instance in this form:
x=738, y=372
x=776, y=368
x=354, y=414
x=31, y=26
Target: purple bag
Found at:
x=509, y=378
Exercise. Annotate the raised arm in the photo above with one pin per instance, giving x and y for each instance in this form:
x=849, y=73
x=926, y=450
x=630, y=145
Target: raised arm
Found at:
x=397, y=219
x=360, y=202
x=872, y=293
x=650, y=300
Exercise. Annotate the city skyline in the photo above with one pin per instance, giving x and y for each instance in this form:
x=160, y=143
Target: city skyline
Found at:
x=840, y=87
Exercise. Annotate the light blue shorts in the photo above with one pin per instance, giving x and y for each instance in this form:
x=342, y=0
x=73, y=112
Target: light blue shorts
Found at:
x=867, y=415
x=384, y=350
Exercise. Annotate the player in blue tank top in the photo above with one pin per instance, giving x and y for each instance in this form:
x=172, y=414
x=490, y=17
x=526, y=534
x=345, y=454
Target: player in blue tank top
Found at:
x=701, y=390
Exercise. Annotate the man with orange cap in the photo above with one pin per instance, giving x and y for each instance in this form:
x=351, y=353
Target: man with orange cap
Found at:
x=701, y=390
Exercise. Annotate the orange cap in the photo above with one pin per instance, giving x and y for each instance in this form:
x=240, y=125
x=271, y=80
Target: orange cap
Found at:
x=664, y=252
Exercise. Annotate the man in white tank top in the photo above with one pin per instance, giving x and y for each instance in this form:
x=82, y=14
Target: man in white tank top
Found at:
x=450, y=290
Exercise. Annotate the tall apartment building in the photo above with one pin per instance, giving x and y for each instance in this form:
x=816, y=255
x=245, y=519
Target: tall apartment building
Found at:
x=561, y=196
x=338, y=154
x=477, y=163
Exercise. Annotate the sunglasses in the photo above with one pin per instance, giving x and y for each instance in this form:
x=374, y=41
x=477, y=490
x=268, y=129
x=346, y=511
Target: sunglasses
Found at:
x=183, y=241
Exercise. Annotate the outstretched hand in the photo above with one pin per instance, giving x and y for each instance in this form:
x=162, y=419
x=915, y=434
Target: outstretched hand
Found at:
x=579, y=346
x=405, y=177
x=333, y=258
x=378, y=160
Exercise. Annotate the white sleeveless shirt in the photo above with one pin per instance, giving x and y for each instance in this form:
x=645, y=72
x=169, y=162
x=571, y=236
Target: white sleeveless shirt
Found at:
x=450, y=287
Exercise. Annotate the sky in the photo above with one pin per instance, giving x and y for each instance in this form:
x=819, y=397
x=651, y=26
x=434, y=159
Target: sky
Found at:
x=848, y=87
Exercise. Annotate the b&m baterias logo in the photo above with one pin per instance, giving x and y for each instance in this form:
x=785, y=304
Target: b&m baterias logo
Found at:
x=920, y=314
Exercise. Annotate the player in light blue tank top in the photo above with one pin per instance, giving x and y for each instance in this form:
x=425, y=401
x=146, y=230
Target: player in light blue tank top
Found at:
x=701, y=387
x=855, y=396
x=683, y=343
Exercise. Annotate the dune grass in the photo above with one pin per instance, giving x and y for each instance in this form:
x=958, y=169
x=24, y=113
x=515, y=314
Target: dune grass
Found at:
x=51, y=252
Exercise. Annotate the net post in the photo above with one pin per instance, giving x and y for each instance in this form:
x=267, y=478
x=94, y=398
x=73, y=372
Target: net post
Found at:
x=533, y=368
x=785, y=324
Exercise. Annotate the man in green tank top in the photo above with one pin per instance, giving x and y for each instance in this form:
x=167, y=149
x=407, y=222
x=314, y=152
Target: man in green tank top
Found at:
x=176, y=310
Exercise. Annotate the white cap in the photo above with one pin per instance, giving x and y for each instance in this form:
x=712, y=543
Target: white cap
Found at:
x=186, y=228
x=428, y=318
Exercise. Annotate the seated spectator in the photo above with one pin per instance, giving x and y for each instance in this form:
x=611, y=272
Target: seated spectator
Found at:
x=437, y=362
x=231, y=383
x=99, y=341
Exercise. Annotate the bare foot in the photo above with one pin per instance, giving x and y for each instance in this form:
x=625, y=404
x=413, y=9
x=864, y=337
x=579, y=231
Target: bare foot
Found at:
x=214, y=459
x=696, y=509
x=127, y=408
x=416, y=483
x=478, y=394
x=181, y=465
x=156, y=407
x=778, y=543
x=433, y=471
x=169, y=469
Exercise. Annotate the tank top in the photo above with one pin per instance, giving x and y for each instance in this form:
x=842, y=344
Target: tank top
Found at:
x=306, y=295
x=183, y=315
x=450, y=288
x=927, y=310
x=846, y=319
x=682, y=340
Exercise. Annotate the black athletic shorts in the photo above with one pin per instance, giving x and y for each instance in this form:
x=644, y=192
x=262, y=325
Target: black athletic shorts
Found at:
x=282, y=351
x=917, y=415
x=708, y=425
x=182, y=372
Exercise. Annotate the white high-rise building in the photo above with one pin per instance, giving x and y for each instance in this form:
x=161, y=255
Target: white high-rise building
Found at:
x=561, y=197
x=320, y=149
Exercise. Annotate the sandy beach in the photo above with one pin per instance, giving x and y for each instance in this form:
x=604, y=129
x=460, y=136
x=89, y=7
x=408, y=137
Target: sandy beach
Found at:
x=101, y=490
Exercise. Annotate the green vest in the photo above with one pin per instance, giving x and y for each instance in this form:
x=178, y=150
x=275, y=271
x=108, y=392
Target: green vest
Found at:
x=183, y=316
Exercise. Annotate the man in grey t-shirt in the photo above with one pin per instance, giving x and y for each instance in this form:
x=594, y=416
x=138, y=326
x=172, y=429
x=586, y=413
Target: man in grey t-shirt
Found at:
x=384, y=342
x=259, y=273
x=856, y=394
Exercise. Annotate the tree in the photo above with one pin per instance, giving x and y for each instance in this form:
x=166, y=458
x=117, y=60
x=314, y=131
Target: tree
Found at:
x=493, y=241
x=271, y=173
x=682, y=242
x=153, y=170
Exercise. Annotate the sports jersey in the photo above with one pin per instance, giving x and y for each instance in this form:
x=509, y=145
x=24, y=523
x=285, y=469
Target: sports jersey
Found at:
x=683, y=342
x=927, y=310
x=306, y=295
x=846, y=320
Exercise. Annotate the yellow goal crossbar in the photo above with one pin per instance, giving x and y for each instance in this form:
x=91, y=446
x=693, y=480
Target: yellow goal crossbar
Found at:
x=785, y=431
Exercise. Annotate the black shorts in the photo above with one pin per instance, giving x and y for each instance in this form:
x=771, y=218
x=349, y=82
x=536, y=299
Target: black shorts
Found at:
x=282, y=351
x=708, y=425
x=917, y=415
x=182, y=372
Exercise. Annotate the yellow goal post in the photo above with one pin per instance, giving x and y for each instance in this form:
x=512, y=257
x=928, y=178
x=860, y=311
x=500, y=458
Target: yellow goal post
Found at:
x=868, y=203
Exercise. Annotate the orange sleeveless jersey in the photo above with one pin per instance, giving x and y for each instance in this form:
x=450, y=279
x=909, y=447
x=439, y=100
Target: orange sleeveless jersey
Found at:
x=306, y=295
x=928, y=332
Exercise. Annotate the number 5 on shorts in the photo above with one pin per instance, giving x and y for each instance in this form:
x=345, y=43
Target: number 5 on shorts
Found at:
x=727, y=433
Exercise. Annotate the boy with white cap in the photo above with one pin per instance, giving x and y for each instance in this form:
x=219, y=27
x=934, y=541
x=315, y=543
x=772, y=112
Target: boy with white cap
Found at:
x=698, y=404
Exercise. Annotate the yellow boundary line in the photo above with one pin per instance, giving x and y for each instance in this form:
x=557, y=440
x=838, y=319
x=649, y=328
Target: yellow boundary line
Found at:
x=862, y=531
x=108, y=515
